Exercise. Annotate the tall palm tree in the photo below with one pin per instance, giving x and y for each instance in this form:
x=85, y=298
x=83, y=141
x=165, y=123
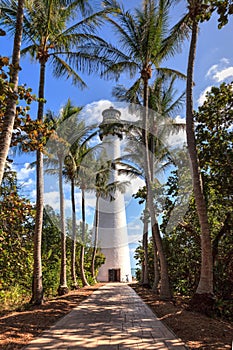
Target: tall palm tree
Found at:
x=85, y=177
x=67, y=145
x=164, y=102
x=9, y=118
x=59, y=147
x=101, y=190
x=70, y=172
x=145, y=44
x=74, y=163
x=49, y=39
x=204, y=292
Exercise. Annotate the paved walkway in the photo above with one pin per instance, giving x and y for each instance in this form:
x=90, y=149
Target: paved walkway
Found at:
x=113, y=318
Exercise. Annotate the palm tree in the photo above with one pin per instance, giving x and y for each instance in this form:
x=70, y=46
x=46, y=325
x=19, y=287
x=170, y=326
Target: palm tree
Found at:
x=49, y=38
x=68, y=149
x=59, y=145
x=101, y=190
x=145, y=44
x=204, y=292
x=85, y=176
x=163, y=102
x=9, y=118
x=74, y=163
x=70, y=173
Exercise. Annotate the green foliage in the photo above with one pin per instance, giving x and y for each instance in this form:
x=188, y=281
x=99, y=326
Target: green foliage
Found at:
x=214, y=136
x=51, y=251
x=215, y=142
x=16, y=227
x=139, y=256
x=13, y=296
x=224, y=9
x=30, y=134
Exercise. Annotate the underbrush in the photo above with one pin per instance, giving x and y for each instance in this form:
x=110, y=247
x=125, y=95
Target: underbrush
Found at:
x=13, y=298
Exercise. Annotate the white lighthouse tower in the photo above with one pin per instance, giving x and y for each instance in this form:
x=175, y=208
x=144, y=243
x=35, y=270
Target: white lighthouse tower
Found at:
x=113, y=237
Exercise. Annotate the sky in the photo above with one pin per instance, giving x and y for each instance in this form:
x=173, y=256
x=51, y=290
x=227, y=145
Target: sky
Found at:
x=213, y=65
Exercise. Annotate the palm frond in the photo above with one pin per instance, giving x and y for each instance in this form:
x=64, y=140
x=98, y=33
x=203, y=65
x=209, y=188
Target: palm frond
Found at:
x=62, y=69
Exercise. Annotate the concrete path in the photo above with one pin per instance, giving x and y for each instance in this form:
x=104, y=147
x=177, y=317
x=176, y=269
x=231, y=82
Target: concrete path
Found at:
x=113, y=318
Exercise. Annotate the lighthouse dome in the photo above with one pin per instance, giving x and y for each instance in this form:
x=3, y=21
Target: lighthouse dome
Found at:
x=111, y=114
x=111, y=124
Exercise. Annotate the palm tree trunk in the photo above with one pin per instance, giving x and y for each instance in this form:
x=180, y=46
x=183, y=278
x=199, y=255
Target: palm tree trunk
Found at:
x=73, y=250
x=62, y=289
x=165, y=292
x=156, y=261
x=37, y=285
x=205, y=286
x=9, y=118
x=82, y=252
x=145, y=277
x=37, y=288
x=153, y=227
x=95, y=239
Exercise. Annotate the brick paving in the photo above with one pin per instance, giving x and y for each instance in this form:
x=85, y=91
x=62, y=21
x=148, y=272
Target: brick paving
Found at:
x=113, y=318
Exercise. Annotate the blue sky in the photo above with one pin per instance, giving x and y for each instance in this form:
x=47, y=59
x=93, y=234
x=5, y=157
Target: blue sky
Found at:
x=213, y=65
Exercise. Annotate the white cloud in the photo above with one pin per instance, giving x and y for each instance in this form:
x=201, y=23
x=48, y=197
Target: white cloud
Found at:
x=224, y=74
x=221, y=71
x=178, y=138
x=25, y=172
x=92, y=113
x=53, y=199
x=202, y=96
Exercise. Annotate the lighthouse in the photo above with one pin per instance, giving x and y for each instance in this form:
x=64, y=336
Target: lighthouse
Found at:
x=113, y=236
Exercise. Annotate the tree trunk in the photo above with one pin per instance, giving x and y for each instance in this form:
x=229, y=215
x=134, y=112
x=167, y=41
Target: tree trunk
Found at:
x=145, y=277
x=37, y=288
x=62, y=289
x=95, y=239
x=73, y=249
x=82, y=252
x=205, y=287
x=156, y=262
x=165, y=292
x=152, y=139
x=37, y=285
x=9, y=118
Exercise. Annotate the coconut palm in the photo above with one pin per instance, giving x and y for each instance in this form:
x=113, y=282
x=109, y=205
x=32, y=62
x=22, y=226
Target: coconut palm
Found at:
x=145, y=44
x=48, y=38
x=75, y=168
x=85, y=177
x=66, y=145
x=163, y=101
x=67, y=129
x=10, y=113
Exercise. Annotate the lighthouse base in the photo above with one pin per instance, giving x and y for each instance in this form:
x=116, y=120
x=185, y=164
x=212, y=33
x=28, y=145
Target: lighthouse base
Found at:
x=117, y=266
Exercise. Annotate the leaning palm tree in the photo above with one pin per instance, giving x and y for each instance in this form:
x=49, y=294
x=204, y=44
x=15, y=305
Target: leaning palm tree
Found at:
x=164, y=102
x=48, y=38
x=73, y=162
x=65, y=144
x=10, y=113
x=66, y=128
x=145, y=44
x=84, y=178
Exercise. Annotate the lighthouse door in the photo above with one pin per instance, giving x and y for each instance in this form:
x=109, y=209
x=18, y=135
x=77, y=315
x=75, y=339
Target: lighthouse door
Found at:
x=114, y=275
